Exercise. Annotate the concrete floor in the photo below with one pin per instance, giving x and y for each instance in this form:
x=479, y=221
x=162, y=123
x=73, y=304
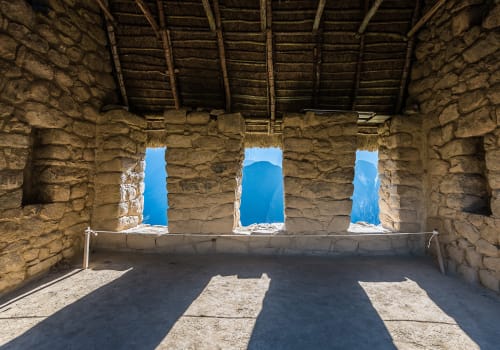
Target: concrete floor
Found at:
x=232, y=302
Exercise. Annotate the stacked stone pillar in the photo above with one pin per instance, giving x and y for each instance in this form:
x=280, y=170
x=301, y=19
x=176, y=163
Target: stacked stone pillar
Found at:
x=318, y=164
x=204, y=159
x=119, y=181
x=401, y=171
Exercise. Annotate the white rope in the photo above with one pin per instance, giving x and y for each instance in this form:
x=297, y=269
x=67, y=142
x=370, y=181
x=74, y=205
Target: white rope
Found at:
x=434, y=234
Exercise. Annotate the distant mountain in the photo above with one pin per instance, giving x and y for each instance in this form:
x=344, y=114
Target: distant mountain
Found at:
x=365, y=197
x=262, y=194
x=155, y=191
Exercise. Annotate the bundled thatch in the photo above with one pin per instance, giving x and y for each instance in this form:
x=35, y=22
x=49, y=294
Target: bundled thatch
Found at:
x=263, y=140
x=367, y=142
x=227, y=55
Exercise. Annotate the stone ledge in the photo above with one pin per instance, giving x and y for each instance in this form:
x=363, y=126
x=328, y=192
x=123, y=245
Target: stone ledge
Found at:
x=366, y=244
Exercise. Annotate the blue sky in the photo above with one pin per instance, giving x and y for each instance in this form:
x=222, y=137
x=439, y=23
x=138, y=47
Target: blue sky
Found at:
x=272, y=155
x=368, y=156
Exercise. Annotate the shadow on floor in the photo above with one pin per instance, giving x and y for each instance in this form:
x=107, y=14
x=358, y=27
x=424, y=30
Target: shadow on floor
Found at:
x=311, y=303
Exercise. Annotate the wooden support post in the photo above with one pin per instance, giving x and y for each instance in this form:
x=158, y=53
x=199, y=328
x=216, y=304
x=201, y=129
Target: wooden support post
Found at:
x=167, y=48
x=406, y=68
x=149, y=16
x=215, y=23
x=428, y=15
x=369, y=15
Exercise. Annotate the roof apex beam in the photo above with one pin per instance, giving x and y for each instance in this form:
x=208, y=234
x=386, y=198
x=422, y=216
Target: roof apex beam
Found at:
x=149, y=16
x=369, y=16
x=425, y=18
x=263, y=15
x=319, y=15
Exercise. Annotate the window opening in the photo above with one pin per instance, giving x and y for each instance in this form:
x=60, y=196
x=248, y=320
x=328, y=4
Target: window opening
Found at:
x=262, y=187
x=155, y=188
x=34, y=190
x=365, y=199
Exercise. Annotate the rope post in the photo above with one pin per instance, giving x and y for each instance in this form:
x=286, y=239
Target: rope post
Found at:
x=86, y=247
x=435, y=233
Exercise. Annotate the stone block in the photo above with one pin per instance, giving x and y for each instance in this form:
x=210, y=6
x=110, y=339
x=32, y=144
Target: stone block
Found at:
x=231, y=124
x=110, y=240
x=489, y=279
x=476, y=123
x=232, y=245
x=141, y=241
x=345, y=245
x=470, y=274
x=374, y=244
x=486, y=248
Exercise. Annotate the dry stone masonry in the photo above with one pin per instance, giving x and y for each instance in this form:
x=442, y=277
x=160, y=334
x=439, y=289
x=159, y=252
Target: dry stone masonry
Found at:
x=204, y=159
x=119, y=181
x=55, y=74
x=318, y=165
x=401, y=172
x=456, y=84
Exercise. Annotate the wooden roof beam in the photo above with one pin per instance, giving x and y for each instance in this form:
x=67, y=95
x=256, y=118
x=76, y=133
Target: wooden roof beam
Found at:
x=319, y=15
x=361, y=52
x=406, y=68
x=266, y=18
x=428, y=15
x=149, y=16
x=167, y=49
x=108, y=19
x=107, y=13
x=369, y=15
x=215, y=23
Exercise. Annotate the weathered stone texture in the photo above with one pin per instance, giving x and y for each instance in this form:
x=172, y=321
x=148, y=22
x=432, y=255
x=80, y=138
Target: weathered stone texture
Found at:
x=319, y=152
x=46, y=83
x=119, y=180
x=204, y=160
x=455, y=81
x=400, y=171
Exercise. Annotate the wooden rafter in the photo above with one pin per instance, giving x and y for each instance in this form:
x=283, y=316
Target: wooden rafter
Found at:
x=149, y=16
x=109, y=19
x=406, y=67
x=359, y=63
x=427, y=16
x=215, y=23
x=319, y=15
x=105, y=10
x=167, y=49
x=266, y=19
x=369, y=15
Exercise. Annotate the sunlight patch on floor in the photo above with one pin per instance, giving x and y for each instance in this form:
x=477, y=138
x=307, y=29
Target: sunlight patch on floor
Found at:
x=212, y=320
x=397, y=311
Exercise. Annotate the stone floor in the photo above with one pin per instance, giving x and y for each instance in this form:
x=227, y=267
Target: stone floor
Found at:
x=128, y=301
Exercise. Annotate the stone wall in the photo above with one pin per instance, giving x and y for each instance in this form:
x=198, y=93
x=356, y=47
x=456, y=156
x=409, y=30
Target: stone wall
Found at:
x=401, y=174
x=456, y=85
x=54, y=75
x=318, y=165
x=204, y=159
x=119, y=181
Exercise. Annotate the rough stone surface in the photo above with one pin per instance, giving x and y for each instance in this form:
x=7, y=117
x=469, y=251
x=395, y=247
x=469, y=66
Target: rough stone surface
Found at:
x=400, y=171
x=42, y=95
x=462, y=135
x=318, y=165
x=204, y=159
x=119, y=179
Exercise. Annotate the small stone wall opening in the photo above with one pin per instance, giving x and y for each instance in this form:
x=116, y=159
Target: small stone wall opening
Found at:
x=476, y=196
x=365, y=198
x=155, y=188
x=35, y=191
x=262, y=199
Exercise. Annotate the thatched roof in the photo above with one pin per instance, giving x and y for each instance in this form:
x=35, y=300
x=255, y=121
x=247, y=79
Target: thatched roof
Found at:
x=262, y=58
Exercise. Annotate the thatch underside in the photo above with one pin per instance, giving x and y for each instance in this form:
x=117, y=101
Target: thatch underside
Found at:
x=331, y=68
